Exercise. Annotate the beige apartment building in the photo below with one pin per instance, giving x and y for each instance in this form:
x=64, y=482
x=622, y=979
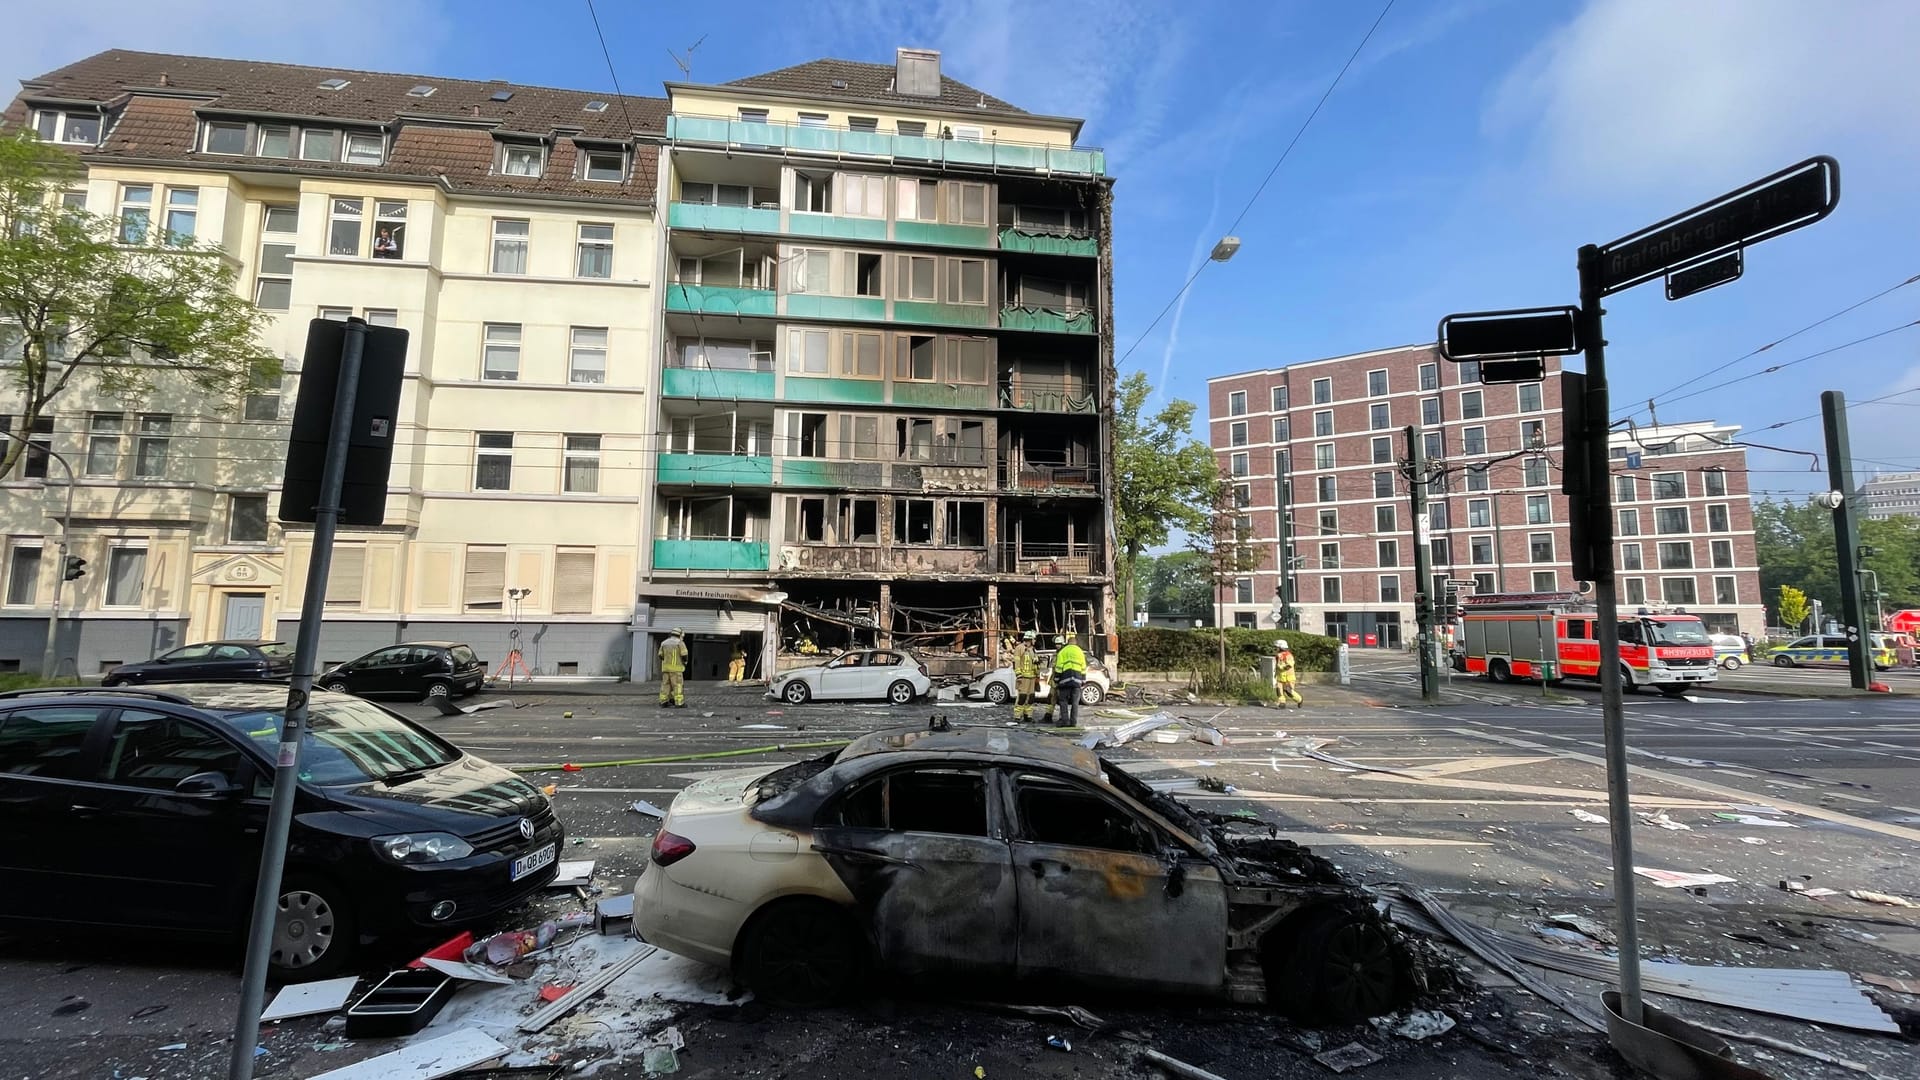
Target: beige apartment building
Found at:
x=510, y=229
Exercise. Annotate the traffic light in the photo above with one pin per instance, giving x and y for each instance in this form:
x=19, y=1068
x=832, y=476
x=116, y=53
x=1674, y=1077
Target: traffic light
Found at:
x=1868, y=551
x=76, y=567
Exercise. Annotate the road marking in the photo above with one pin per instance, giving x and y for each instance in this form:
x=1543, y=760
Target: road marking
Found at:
x=1473, y=764
x=619, y=790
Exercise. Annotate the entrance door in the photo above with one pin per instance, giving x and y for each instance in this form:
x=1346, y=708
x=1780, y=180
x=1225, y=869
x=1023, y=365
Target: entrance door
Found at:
x=246, y=614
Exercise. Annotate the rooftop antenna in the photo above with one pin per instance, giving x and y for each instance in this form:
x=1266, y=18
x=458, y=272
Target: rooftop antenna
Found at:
x=685, y=59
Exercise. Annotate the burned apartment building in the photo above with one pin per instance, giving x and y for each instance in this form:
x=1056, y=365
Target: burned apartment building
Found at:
x=886, y=391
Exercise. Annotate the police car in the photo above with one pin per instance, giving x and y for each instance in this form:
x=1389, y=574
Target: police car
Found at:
x=1831, y=649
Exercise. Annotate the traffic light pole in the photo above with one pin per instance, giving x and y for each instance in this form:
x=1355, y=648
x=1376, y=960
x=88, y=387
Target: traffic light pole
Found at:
x=1286, y=551
x=1846, y=539
x=1423, y=600
x=273, y=853
x=1598, y=508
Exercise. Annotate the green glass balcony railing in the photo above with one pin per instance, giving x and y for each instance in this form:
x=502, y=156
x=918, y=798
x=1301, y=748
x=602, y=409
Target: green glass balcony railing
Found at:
x=716, y=470
x=710, y=555
x=718, y=300
x=719, y=131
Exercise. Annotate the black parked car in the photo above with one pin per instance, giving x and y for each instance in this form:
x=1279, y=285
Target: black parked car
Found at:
x=418, y=668
x=208, y=661
x=143, y=809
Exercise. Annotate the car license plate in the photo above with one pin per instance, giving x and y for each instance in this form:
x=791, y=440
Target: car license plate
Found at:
x=527, y=864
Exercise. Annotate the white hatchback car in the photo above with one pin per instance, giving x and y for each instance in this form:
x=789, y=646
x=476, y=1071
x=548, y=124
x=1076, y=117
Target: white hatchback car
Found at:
x=860, y=675
x=997, y=685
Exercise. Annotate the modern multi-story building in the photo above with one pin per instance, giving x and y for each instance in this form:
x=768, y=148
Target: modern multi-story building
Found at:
x=1323, y=443
x=886, y=393
x=1890, y=495
x=509, y=228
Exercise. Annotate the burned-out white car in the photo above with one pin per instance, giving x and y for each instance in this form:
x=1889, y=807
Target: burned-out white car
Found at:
x=997, y=685
x=992, y=853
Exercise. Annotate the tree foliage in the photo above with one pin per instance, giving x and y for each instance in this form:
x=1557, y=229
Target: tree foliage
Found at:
x=1227, y=549
x=1163, y=477
x=1793, y=608
x=81, y=291
x=1175, y=584
x=1795, y=546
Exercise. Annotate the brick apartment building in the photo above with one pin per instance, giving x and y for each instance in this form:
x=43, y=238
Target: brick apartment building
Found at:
x=1326, y=439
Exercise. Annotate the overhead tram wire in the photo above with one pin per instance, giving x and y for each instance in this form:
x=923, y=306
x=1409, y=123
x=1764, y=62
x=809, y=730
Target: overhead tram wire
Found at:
x=1282, y=160
x=608, y=55
x=1776, y=367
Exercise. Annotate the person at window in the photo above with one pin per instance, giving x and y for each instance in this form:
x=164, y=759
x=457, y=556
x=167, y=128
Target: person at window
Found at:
x=737, y=664
x=384, y=245
x=1069, y=671
x=1026, y=676
x=673, y=670
x=1286, y=677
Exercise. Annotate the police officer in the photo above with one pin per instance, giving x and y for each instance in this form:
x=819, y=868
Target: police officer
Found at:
x=1285, y=678
x=1069, y=671
x=673, y=670
x=1026, y=675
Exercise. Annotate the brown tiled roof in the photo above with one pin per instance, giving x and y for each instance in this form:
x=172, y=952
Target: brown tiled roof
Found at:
x=868, y=83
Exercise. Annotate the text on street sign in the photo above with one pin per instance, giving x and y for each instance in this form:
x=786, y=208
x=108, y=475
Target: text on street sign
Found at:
x=1793, y=197
x=1704, y=275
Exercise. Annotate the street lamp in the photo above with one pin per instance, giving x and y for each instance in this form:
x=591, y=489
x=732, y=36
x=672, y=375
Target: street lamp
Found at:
x=1225, y=249
x=51, y=657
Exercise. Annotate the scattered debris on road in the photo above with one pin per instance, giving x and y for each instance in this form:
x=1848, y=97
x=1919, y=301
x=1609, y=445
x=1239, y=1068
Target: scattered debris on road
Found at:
x=1347, y=1058
x=1674, y=879
x=1887, y=899
x=309, y=999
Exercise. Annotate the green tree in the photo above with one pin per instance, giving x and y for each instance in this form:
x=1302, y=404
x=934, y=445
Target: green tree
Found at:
x=1795, y=547
x=1177, y=584
x=1163, y=477
x=1227, y=550
x=121, y=301
x=1793, y=609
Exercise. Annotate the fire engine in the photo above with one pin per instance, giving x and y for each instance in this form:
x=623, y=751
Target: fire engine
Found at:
x=1509, y=636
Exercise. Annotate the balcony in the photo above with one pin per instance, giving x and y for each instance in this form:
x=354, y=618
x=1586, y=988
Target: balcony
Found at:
x=1032, y=476
x=895, y=561
x=710, y=554
x=830, y=391
x=717, y=385
x=719, y=300
x=836, y=226
x=995, y=155
x=1037, y=240
x=933, y=313
x=1050, y=560
x=716, y=470
x=820, y=473
x=1049, y=320
x=934, y=234
x=931, y=395
x=856, y=308
x=1048, y=396
x=733, y=219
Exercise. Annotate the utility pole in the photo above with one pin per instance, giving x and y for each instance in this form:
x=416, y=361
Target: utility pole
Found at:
x=50, y=659
x=1846, y=538
x=1423, y=599
x=1283, y=485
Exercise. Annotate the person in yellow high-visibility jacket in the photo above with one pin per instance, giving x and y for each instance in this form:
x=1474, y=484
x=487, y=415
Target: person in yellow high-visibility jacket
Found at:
x=1026, y=676
x=737, y=664
x=1286, y=684
x=673, y=670
x=1069, y=672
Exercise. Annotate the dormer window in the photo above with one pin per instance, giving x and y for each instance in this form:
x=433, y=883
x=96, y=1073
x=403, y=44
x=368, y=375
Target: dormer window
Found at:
x=607, y=165
x=363, y=148
x=522, y=159
x=54, y=125
x=226, y=137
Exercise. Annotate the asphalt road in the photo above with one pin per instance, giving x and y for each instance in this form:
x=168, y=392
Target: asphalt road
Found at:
x=1475, y=799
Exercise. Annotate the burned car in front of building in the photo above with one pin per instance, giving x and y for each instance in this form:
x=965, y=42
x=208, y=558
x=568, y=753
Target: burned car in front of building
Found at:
x=988, y=853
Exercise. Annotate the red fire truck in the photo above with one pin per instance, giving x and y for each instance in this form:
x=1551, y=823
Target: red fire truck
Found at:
x=1509, y=636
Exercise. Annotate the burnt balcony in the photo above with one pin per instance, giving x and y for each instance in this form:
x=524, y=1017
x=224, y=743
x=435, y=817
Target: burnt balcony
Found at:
x=1056, y=559
x=1048, y=395
x=1048, y=476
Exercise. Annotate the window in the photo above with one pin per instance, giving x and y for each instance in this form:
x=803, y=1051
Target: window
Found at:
x=150, y=449
x=389, y=229
x=343, y=227
x=275, y=142
x=593, y=257
x=509, y=246
x=587, y=355
x=1282, y=431
x=1323, y=455
x=316, y=144
x=1722, y=554
x=1716, y=481
x=336, y=314
x=1539, y=510
x=1540, y=547
x=1237, y=403
x=103, y=443
x=45, y=742
x=916, y=277
x=1238, y=464
x=1545, y=581
x=500, y=352
x=1630, y=557
x=813, y=119
x=807, y=434
x=1377, y=383
x=1330, y=556
x=486, y=578
x=753, y=116
x=809, y=270
x=1471, y=405
x=1636, y=590
x=1473, y=441
x=607, y=166
x=913, y=129
x=1435, y=445
x=1237, y=433
x=1389, y=588
x=1382, y=485
x=1379, y=416
x=382, y=317
x=582, y=474
x=246, y=519
x=913, y=521
x=1669, y=485
x=67, y=127
x=126, y=576
x=1480, y=550
x=263, y=402
x=1469, y=371
x=1668, y=520
x=1717, y=519
x=863, y=196
x=1724, y=591
x=1324, y=489
x=1386, y=553
x=1242, y=495
x=966, y=204
x=807, y=352
x=918, y=199
x=1430, y=411
x=860, y=356
x=573, y=581
x=23, y=575
x=73, y=200
x=1682, y=590
x=951, y=802
x=1323, y=391
x=1323, y=422
x=1479, y=513
x=863, y=123
x=1478, y=477
x=1429, y=376
x=813, y=192
x=1483, y=583
x=966, y=281
x=520, y=159
x=1677, y=555
x=273, y=282
x=156, y=752
x=1533, y=434
x=1437, y=515
x=1629, y=523
x=1623, y=489
x=1329, y=590
x=1243, y=591
x=183, y=206
x=1382, y=450
x=363, y=148
x=1279, y=398
x=867, y=278
x=1530, y=397
x=136, y=210
x=493, y=461
x=1534, y=472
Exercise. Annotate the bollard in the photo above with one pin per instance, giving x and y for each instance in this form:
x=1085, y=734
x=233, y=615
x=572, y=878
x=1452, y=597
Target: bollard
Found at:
x=1346, y=671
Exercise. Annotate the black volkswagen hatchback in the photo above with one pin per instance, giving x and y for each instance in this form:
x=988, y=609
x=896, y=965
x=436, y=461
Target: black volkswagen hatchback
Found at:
x=143, y=809
x=418, y=669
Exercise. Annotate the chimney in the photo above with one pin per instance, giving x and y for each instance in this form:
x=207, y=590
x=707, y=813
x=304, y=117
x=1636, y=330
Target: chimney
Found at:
x=164, y=81
x=917, y=72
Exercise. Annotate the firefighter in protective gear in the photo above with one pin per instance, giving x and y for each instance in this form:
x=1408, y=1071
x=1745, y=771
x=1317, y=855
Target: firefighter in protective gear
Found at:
x=673, y=670
x=1069, y=671
x=737, y=664
x=1026, y=676
x=1286, y=684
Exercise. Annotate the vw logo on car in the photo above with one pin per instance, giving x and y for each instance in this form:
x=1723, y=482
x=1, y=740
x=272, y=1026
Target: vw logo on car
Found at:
x=526, y=829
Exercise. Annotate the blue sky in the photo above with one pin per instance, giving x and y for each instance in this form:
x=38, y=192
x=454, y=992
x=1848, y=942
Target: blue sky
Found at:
x=1473, y=147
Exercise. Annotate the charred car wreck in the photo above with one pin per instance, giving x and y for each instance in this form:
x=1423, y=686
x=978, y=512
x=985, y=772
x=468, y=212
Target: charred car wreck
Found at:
x=991, y=853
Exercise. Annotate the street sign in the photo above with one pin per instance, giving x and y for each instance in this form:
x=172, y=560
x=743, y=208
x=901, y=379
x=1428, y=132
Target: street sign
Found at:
x=1513, y=371
x=1704, y=275
x=1459, y=583
x=1799, y=195
x=1507, y=335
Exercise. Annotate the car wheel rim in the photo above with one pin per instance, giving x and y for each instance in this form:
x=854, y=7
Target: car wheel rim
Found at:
x=1357, y=978
x=901, y=693
x=796, y=693
x=303, y=931
x=437, y=690
x=997, y=694
x=806, y=957
x=338, y=687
